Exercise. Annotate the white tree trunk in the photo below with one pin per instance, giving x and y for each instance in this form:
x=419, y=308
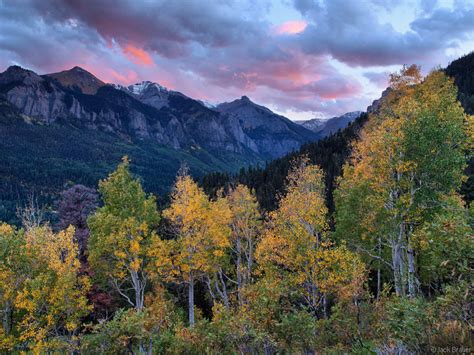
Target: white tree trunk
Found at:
x=139, y=289
x=191, y=300
x=379, y=281
x=239, y=270
x=397, y=275
x=411, y=272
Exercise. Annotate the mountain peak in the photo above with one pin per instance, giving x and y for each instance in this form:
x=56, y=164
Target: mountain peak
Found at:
x=140, y=88
x=244, y=103
x=145, y=87
x=17, y=73
x=78, y=78
x=14, y=68
x=76, y=70
x=79, y=70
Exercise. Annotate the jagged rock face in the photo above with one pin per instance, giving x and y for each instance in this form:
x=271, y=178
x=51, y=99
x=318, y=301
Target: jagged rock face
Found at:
x=237, y=126
x=193, y=122
x=46, y=100
x=32, y=95
x=149, y=111
x=268, y=133
x=375, y=106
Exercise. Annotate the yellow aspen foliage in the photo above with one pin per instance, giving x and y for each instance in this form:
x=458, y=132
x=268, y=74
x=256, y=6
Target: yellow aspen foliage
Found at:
x=246, y=229
x=202, y=229
x=410, y=154
x=295, y=245
x=469, y=128
x=53, y=297
x=12, y=243
x=160, y=310
x=200, y=225
x=14, y=268
x=123, y=235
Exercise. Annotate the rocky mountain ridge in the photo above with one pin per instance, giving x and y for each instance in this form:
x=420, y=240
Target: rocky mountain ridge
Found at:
x=264, y=131
x=149, y=111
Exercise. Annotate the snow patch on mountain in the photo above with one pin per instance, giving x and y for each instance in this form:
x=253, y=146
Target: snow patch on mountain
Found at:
x=208, y=104
x=140, y=88
x=329, y=126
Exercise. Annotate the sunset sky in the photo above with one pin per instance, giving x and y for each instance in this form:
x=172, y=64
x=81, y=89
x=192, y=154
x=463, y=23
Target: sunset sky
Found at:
x=301, y=58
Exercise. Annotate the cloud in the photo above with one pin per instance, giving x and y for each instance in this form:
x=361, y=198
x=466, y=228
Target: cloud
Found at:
x=124, y=78
x=137, y=55
x=219, y=50
x=428, y=5
x=379, y=79
x=446, y=25
x=351, y=32
x=291, y=27
x=166, y=26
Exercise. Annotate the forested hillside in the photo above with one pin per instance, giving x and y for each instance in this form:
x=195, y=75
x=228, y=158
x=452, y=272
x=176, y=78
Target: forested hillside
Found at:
x=386, y=268
x=462, y=70
x=330, y=153
x=70, y=128
x=42, y=160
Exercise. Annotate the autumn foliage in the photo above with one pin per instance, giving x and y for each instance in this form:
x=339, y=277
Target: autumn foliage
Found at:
x=390, y=271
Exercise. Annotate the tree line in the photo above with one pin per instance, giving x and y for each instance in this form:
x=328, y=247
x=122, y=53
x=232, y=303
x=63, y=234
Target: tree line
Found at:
x=387, y=268
x=268, y=182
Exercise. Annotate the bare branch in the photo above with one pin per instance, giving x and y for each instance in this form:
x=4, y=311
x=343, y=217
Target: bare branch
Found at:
x=373, y=256
x=117, y=287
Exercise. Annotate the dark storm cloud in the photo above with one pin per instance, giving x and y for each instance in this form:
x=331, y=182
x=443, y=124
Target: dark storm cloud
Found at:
x=27, y=38
x=164, y=26
x=216, y=49
x=206, y=38
x=350, y=32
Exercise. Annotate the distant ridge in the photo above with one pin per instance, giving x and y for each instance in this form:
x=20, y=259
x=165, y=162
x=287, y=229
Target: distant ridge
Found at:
x=326, y=127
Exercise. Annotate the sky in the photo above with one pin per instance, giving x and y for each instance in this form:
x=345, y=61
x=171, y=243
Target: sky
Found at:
x=301, y=58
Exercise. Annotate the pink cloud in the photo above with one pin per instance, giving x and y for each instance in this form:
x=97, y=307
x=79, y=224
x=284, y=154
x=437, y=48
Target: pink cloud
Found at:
x=130, y=77
x=291, y=27
x=266, y=64
x=137, y=55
